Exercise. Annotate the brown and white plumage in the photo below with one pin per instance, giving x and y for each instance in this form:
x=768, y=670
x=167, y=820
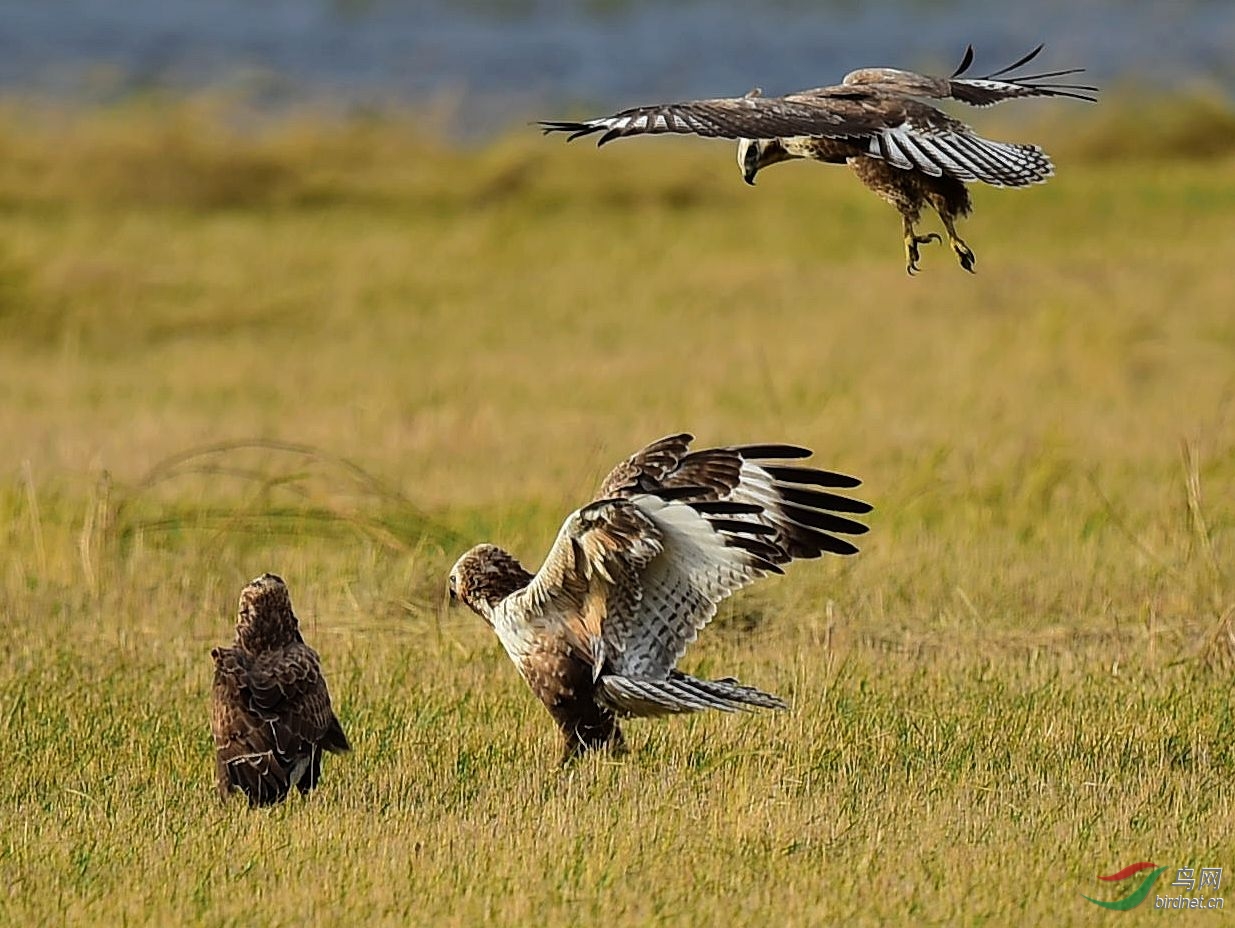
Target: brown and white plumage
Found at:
x=270, y=710
x=635, y=575
x=906, y=150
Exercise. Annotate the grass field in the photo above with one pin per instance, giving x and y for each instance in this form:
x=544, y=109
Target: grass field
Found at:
x=344, y=354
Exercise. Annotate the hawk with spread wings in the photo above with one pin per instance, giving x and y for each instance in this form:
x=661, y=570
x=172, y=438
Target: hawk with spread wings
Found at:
x=634, y=576
x=906, y=150
x=270, y=710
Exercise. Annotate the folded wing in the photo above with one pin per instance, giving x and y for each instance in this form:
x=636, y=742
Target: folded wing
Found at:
x=269, y=714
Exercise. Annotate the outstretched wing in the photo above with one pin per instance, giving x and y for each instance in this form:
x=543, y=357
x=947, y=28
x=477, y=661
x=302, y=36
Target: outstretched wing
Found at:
x=882, y=118
x=709, y=550
x=864, y=104
x=629, y=581
x=267, y=712
x=1002, y=85
x=976, y=91
x=797, y=501
x=749, y=117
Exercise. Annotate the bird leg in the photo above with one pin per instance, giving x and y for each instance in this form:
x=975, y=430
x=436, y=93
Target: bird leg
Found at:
x=583, y=737
x=963, y=251
x=912, y=241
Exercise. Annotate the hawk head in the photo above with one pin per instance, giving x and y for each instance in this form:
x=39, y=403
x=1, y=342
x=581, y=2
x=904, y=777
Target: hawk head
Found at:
x=266, y=619
x=756, y=154
x=485, y=576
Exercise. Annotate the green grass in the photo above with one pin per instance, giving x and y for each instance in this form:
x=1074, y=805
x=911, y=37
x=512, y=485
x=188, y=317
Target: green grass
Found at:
x=344, y=354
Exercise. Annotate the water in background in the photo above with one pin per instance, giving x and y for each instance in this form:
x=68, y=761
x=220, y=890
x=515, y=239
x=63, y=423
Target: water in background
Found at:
x=492, y=63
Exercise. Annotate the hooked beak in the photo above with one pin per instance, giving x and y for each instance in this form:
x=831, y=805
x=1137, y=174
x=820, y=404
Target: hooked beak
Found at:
x=750, y=164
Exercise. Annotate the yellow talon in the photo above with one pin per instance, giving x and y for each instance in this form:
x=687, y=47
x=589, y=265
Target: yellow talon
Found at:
x=964, y=253
x=911, y=249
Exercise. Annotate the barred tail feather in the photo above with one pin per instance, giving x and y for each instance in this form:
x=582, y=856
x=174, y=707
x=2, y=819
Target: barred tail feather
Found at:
x=680, y=693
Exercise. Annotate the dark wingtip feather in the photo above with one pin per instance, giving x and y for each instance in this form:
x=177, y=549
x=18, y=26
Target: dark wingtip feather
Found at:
x=335, y=739
x=829, y=502
x=1012, y=67
x=1059, y=90
x=763, y=556
x=838, y=546
x=824, y=521
x=725, y=507
x=772, y=452
x=576, y=129
x=966, y=61
x=811, y=476
x=738, y=527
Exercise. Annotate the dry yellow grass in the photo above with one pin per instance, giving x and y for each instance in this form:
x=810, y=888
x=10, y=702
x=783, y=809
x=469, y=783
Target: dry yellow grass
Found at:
x=401, y=348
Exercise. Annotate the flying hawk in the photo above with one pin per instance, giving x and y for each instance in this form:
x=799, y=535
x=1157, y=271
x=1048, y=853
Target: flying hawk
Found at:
x=907, y=151
x=634, y=575
x=270, y=711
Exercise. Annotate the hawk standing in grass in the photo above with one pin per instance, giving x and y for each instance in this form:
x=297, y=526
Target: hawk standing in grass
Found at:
x=907, y=151
x=270, y=710
x=635, y=575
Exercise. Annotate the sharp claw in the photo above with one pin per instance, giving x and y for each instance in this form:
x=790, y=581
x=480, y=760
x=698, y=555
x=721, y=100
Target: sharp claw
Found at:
x=912, y=242
x=965, y=255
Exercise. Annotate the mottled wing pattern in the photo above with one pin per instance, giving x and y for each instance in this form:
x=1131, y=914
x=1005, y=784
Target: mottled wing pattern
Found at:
x=647, y=468
x=595, y=581
x=727, y=118
x=245, y=758
x=271, y=715
x=594, y=562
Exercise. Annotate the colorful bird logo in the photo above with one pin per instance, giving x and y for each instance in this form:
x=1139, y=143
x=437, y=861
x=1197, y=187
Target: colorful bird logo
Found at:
x=1137, y=896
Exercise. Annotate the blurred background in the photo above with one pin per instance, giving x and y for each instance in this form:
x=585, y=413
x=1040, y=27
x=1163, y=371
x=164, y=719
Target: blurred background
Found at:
x=189, y=189
x=494, y=63
x=294, y=286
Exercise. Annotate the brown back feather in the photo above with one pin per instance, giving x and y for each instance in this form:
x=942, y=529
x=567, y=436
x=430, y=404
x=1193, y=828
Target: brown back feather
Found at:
x=270, y=707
